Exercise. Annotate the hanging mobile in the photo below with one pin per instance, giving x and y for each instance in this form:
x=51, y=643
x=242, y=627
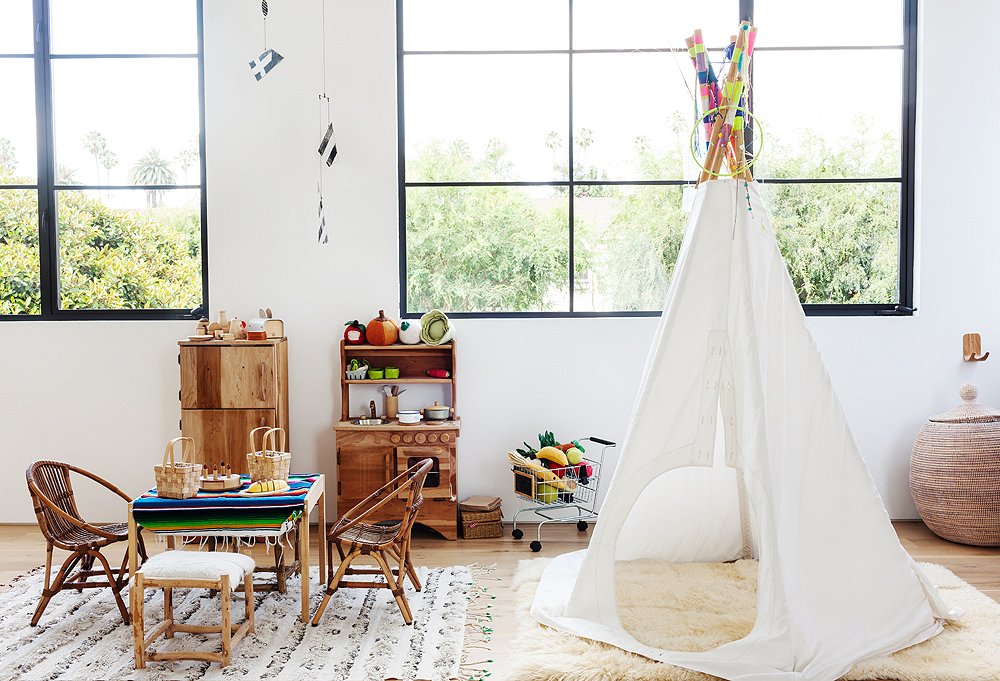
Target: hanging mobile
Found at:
x=268, y=59
x=328, y=145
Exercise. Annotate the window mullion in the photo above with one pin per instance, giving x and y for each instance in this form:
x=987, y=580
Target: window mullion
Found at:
x=48, y=253
x=572, y=173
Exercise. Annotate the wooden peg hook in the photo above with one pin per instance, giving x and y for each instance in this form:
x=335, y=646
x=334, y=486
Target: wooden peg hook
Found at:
x=972, y=348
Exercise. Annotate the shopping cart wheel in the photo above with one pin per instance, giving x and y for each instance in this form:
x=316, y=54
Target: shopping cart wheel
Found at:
x=582, y=525
x=535, y=546
x=517, y=534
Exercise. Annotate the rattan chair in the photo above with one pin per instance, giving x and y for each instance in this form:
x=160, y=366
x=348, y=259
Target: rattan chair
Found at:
x=59, y=520
x=384, y=542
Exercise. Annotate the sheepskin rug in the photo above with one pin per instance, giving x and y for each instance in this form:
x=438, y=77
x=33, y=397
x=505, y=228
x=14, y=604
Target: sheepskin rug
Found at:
x=698, y=606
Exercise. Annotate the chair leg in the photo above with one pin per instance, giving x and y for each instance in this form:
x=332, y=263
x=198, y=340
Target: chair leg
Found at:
x=395, y=586
x=332, y=586
x=279, y=566
x=227, y=630
x=137, y=597
x=85, y=566
x=115, y=588
x=48, y=565
x=142, y=549
x=49, y=592
x=168, y=611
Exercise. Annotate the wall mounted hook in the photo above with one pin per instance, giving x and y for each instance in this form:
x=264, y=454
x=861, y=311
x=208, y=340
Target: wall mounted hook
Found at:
x=972, y=348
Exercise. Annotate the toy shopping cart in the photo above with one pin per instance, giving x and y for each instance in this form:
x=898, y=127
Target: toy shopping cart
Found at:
x=562, y=494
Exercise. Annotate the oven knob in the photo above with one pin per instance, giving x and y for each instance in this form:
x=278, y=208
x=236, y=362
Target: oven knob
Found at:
x=407, y=438
x=445, y=437
x=421, y=438
x=395, y=437
x=433, y=437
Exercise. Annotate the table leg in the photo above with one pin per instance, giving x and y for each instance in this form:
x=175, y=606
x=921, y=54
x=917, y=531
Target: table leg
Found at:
x=322, y=537
x=170, y=542
x=133, y=544
x=304, y=562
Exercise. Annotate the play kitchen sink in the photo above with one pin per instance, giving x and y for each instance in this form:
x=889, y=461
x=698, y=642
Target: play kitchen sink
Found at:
x=371, y=422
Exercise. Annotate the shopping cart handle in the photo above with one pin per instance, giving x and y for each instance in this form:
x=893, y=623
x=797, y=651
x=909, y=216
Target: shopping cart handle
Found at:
x=600, y=441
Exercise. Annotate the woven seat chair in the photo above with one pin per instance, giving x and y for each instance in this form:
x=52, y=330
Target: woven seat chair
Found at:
x=62, y=526
x=384, y=542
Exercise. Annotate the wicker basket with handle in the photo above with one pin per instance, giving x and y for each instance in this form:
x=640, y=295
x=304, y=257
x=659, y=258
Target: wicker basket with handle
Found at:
x=955, y=472
x=178, y=479
x=268, y=463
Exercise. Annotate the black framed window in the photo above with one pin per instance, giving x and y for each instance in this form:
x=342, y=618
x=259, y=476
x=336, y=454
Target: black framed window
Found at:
x=102, y=164
x=544, y=167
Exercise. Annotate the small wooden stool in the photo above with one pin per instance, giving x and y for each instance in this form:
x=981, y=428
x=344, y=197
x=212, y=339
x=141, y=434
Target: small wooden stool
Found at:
x=171, y=570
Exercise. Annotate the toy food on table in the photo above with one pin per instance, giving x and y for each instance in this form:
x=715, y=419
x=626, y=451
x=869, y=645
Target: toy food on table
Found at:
x=262, y=486
x=381, y=330
x=438, y=373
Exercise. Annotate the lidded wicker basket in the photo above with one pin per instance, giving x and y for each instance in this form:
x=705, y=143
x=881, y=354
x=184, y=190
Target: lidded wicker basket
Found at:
x=268, y=464
x=955, y=472
x=178, y=479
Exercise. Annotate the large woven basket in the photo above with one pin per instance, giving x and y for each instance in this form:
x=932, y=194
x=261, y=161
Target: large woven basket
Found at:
x=268, y=463
x=178, y=479
x=482, y=518
x=955, y=472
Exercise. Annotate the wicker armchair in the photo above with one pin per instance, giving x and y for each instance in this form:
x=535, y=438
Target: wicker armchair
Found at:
x=59, y=520
x=384, y=542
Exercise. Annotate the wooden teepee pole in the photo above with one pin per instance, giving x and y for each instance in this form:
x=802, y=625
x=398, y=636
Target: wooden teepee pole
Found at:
x=716, y=150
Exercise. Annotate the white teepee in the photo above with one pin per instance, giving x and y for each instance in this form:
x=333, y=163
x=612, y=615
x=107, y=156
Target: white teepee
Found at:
x=738, y=446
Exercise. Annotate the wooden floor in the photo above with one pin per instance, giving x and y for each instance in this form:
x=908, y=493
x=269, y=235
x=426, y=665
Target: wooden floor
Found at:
x=22, y=548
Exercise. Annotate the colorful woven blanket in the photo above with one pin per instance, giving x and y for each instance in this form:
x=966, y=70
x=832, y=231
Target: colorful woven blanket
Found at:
x=225, y=513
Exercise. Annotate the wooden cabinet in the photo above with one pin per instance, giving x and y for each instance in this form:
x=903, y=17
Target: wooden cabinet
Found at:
x=227, y=389
x=370, y=456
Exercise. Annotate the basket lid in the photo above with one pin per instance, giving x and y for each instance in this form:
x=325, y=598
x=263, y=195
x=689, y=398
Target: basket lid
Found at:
x=969, y=411
x=481, y=504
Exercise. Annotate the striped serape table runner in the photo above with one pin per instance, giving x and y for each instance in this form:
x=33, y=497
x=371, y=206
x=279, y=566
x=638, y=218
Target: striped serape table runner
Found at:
x=225, y=513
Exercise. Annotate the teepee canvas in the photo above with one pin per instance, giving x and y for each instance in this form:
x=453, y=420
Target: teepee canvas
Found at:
x=738, y=447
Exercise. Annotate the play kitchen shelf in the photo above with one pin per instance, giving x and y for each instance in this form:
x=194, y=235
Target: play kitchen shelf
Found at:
x=368, y=456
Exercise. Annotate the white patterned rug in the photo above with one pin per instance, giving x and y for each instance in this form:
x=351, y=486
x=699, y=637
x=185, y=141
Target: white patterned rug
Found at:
x=699, y=606
x=360, y=638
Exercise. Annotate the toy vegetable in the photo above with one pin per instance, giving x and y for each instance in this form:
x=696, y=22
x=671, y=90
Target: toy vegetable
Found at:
x=409, y=332
x=381, y=330
x=354, y=334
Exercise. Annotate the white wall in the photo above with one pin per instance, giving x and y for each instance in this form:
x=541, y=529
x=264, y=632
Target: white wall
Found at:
x=103, y=394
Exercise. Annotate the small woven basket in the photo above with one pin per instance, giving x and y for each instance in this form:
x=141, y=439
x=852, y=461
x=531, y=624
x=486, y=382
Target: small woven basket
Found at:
x=482, y=523
x=268, y=463
x=178, y=479
x=955, y=472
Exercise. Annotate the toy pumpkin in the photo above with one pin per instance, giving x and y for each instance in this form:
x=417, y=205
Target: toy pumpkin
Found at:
x=354, y=334
x=381, y=330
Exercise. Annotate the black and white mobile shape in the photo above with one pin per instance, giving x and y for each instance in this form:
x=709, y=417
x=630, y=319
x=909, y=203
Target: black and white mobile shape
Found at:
x=262, y=65
x=323, y=235
x=329, y=142
x=268, y=59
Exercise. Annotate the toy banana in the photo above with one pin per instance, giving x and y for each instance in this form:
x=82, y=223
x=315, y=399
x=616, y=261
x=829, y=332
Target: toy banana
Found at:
x=541, y=472
x=267, y=486
x=554, y=455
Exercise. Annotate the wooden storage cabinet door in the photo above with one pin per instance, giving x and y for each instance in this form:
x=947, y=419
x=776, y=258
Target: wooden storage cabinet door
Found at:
x=361, y=471
x=221, y=434
x=439, y=483
x=228, y=377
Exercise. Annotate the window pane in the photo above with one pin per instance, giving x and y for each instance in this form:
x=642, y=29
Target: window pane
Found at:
x=487, y=249
x=124, y=27
x=626, y=243
x=787, y=23
x=20, y=288
x=623, y=122
x=854, y=133
x=16, y=27
x=18, y=155
x=840, y=241
x=129, y=249
x=652, y=23
x=126, y=121
x=465, y=25
x=485, y=117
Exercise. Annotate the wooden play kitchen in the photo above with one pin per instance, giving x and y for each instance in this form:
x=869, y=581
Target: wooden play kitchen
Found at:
x=229, y=388
x=371, y=451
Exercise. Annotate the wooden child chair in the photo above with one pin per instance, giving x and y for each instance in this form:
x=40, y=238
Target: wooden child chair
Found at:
x=59, y=520
x=384, y=542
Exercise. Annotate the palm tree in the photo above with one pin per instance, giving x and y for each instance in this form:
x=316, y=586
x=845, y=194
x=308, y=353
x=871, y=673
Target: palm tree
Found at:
x=109, y=160
x=95, y=143
x=8, y=157
x=66, y=175
x=153, y=169
x=187, y=158
x=584, y=139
